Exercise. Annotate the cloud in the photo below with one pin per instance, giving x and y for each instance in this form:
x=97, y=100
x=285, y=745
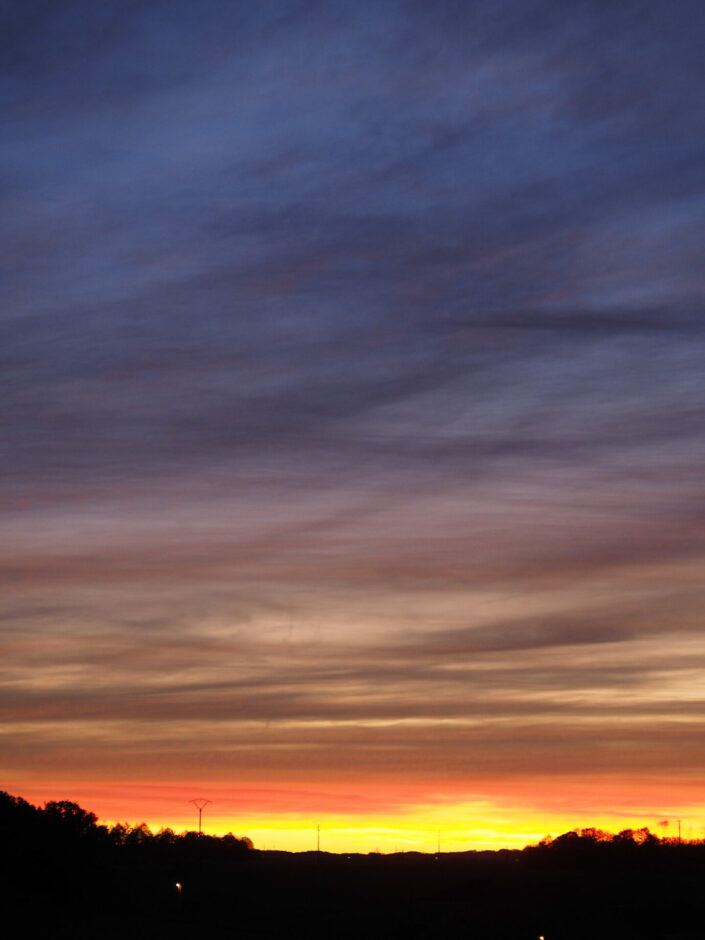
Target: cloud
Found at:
x=351, y=368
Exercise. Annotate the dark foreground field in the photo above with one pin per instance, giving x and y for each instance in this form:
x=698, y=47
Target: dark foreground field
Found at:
x=66, y=877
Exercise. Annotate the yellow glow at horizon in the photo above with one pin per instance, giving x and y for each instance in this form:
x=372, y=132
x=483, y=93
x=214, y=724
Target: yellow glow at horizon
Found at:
x=494, y=829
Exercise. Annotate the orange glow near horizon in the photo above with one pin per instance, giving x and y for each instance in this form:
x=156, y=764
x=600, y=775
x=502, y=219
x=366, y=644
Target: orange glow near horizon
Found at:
x=484, y=822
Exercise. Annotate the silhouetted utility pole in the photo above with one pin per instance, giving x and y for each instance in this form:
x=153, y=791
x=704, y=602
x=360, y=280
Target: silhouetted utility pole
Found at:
x=200, y=805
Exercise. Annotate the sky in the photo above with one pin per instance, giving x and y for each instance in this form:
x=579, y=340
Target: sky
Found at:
x=353, y=416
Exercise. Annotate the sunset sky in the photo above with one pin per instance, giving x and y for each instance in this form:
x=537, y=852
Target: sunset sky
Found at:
x=353, y=416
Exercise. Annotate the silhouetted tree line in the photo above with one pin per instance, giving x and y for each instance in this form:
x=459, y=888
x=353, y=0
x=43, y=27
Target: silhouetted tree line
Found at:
x=66, y=825
x=67, y=876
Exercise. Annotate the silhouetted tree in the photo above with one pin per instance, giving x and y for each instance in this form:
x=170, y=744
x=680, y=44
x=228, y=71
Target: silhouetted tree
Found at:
x=73, y=818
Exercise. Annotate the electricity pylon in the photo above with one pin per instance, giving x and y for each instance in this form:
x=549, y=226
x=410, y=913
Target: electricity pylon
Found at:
x=200, y=805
